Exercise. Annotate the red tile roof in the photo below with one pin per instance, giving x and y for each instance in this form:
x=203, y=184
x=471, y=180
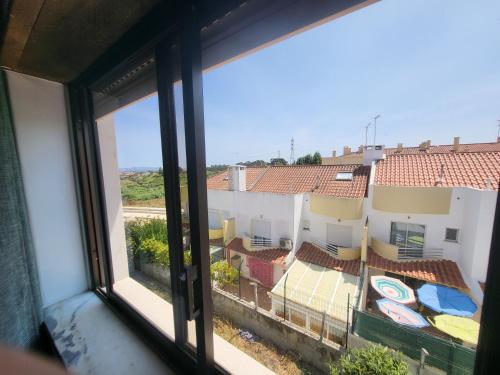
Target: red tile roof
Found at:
x=312, y=254
x=276, y=255
x=439, y=149
x=295, y=179
x=220, y=180
x=470, y=169
x=444, y=272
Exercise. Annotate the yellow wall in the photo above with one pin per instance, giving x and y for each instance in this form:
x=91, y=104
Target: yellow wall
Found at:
x=412, y=200
x=341, y=208
x=345, y=253
x=215, y=234
x=229, y=230
x=384, y=249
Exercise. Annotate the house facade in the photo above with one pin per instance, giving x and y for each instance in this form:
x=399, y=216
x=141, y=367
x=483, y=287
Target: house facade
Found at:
x=429, y=208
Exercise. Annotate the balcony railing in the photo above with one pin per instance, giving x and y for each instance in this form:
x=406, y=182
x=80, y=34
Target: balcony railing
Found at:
x=331, y=248
x=412, y=253
x=260, y=242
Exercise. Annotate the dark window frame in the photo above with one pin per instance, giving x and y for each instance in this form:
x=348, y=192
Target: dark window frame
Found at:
x=156, y=26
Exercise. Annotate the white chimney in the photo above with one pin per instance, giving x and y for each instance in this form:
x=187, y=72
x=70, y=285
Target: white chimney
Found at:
x=347, y=150
x=400, y=147
x=456, y=143
x=372, y=153
x=237, y=175
x=334, y=153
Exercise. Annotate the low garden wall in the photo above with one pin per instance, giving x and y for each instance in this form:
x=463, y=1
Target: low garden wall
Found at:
x=276, y=330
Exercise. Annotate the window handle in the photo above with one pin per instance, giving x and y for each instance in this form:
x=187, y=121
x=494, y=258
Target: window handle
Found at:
x=189, y=276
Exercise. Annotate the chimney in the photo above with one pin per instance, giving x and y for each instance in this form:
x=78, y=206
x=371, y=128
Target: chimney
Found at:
x=428, y=143
x=347, y=150
x=334, y=153
x=498, y=139
x=360, y=149
x=456, y=143
x=423, y=146
x=237, y=178
x=400, y=147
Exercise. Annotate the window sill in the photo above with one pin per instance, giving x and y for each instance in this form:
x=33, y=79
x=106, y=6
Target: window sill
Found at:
x=92, y=340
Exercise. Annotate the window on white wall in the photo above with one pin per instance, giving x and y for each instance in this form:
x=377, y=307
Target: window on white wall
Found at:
x=339, y=235
x=261, y=230
x=407, y=236
x=451, y=235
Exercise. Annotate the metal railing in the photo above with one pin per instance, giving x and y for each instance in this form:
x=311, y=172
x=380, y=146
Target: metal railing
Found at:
x=330, y=247
x=413, y=253
x=261, y=242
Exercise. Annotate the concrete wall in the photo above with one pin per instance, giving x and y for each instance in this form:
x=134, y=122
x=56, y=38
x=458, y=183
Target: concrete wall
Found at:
x=318, y=224
x=114, y=209
x=341, y=208
x=42, y=135
x=278, y=209
x=412, y=200
x=274, y=329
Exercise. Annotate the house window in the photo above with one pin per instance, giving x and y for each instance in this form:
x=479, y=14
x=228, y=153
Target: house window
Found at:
x=407, y=236
x=451, y=235
x=344, y=176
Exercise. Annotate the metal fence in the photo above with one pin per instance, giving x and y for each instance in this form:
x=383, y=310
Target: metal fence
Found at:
x=446, y=355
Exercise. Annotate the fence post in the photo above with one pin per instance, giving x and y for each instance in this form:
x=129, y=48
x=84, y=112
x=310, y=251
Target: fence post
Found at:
x=254, y=284
x=284, y=297
x=423, y=355
x=239, y=278
x=322, y=327
x=347, y=320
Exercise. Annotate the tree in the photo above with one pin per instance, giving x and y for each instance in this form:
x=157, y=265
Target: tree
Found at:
x=373, y=360
x=278, y=161
x=309, y=159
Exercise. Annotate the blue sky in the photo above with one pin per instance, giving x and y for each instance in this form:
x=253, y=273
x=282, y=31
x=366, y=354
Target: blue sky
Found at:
x=430, y=68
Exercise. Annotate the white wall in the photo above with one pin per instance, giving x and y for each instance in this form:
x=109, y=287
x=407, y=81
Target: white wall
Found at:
x=41, y=126
x=318, y=225
x=112, y=189
x=246, y=206
x=471, y=211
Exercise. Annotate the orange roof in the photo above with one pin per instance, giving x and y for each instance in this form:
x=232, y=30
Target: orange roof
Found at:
x=276, y=255
x=443, y=271
x=220, y=180
x=310, y=253
x=439, y=149
x=295, y=179
x=470, y=169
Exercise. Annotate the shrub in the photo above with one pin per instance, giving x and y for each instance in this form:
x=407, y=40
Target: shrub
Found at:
x=373, y=360
x=156, y=251
x=222, y=273
x=141, y=229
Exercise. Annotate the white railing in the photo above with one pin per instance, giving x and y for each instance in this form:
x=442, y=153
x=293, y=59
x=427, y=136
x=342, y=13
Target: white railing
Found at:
x=261, y=242
x=331, y=248
x=412, y=253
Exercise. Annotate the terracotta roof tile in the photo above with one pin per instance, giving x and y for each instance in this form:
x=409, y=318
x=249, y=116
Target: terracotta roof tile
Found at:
x=438, y=149
x=220, y=180
x=443, y=271
x=312, y=254
x=320, y=179
x=275, y=255
x=467, y=169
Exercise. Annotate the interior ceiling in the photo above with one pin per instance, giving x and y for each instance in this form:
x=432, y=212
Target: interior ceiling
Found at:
x=58, y=40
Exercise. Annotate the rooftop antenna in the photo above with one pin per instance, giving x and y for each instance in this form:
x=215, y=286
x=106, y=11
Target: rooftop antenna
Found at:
x=292, y=152
x=375, y=128
x=498, y=132
x=366, y=133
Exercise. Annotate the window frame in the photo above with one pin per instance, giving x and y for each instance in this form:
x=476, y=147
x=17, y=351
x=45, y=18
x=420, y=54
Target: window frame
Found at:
x=457, y=231
x=406, y=236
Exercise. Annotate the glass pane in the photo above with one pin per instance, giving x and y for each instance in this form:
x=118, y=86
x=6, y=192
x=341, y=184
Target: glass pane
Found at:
x=415, y=236
x=398, y=234
x=128, y=130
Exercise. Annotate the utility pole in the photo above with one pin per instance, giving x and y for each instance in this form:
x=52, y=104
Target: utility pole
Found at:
x=498, y=132
x=366, y=133
x=292, y=152
x=375, y=128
